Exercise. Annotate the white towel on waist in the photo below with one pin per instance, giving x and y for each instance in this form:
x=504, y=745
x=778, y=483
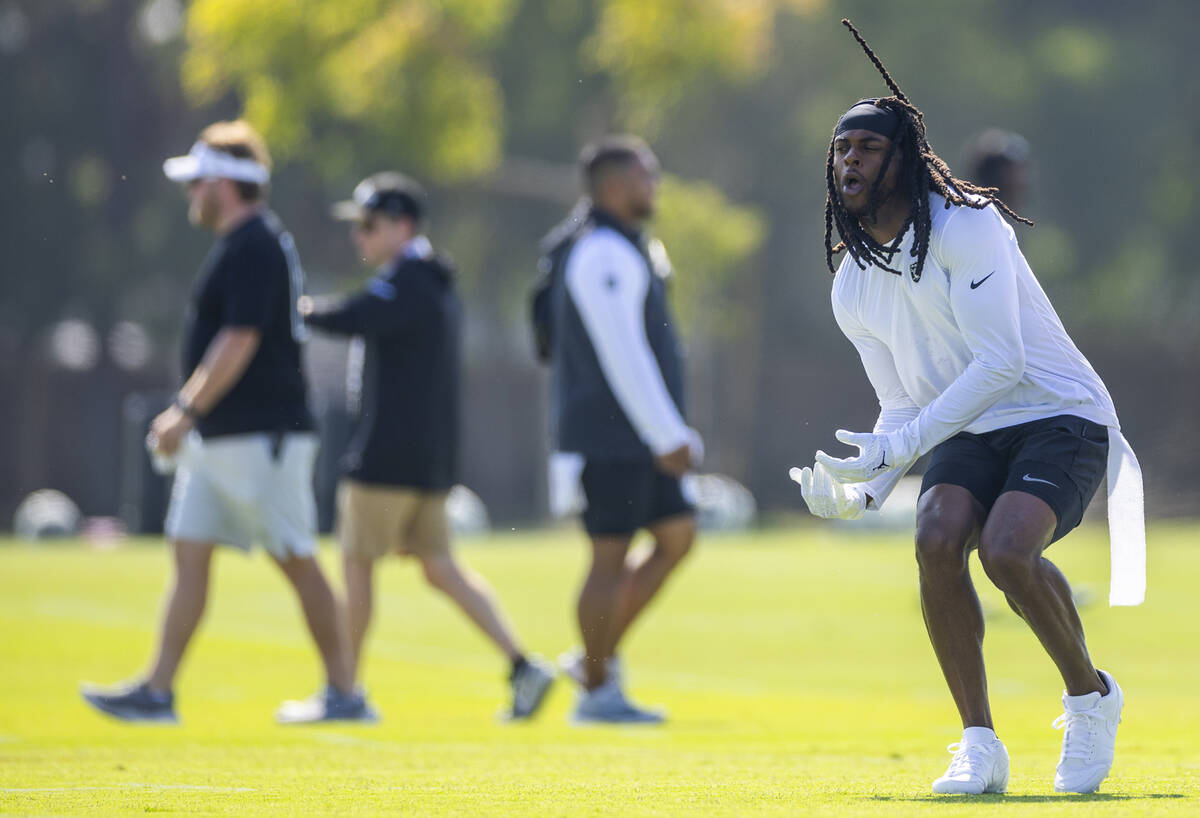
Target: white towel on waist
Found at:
x=1126, y=523
x=566, y=487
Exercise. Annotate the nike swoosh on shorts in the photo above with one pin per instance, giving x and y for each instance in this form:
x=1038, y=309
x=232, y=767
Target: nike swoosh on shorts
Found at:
x=1029, y=479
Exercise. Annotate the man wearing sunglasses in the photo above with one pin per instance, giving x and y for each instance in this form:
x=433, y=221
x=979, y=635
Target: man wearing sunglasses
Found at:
x=403, y=390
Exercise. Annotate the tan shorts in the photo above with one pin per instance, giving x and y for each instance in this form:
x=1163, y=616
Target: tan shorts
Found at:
x=377, y=520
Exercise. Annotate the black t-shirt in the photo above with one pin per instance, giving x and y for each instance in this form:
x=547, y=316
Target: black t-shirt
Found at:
x=251, y=279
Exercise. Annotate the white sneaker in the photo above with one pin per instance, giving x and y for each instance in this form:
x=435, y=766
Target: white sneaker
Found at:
x=572, y=660
x=1090, y=738
x=328, y=705
x=978, y=766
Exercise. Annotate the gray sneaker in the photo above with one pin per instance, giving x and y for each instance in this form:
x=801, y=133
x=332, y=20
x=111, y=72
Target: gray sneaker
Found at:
x=607, y=705
x=530, y=683
x=328, y=705
x=133, y=701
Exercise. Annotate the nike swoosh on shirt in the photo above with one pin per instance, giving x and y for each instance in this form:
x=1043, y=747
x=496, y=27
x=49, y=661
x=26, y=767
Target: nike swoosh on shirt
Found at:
x=975, y=284
x=1029, y=479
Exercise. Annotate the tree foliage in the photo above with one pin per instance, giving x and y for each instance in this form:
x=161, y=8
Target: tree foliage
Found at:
x=709, y=240
x=333, y=80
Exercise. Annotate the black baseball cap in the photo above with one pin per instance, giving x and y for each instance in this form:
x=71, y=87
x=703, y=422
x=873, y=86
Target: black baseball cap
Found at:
x=386, y=192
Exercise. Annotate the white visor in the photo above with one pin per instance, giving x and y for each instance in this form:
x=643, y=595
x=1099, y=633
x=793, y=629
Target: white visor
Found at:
x=206, y=162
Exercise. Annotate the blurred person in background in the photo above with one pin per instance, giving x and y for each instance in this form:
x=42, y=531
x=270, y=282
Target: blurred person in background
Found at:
x=1000, y=159
x=403, y=392
x=239, y=429
x=971, y=364
x=621, y=442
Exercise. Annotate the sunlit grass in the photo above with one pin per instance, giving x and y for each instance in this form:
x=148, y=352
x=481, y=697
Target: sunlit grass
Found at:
x=794, y=665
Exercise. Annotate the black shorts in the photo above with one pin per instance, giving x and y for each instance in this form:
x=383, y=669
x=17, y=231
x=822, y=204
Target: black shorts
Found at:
x=623, y=496
x=1060, y=460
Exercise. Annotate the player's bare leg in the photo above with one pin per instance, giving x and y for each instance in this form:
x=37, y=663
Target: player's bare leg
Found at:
x=1017, y=531
x=359, y=574
x=530, y=678
x=948, y=523
x=948, y=520
x=323, y=616
x=597, y=608
x=184, y=609
x=473, y=595
x=603, y=699
x=673, y=540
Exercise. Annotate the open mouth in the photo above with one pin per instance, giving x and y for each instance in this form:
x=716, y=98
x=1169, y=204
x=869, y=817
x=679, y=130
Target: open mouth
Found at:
x=852, y=185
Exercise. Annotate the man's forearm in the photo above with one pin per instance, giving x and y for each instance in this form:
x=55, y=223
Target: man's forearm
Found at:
x=224, y=363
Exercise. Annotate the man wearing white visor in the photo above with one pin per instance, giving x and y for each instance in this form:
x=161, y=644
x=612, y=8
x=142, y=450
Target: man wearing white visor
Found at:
x=239, y=430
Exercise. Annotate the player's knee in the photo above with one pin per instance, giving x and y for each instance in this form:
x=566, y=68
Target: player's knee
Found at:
x=192, y=558
x=940, y=549
x=1008, y=565
x=673, y=538
x=439, y=572
x=676, y=548
x=608, y=558
x=306, y=576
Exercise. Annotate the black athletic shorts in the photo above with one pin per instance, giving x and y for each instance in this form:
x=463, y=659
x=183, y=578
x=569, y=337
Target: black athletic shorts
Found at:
x=1060, y=460
x=623, y=496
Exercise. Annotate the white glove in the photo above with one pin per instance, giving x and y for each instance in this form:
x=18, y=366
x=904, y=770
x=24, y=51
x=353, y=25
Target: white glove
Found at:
x=877, y=454
x=827, y=497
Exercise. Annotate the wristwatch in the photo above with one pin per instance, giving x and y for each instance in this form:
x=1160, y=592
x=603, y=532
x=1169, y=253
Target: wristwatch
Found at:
x=186, y=408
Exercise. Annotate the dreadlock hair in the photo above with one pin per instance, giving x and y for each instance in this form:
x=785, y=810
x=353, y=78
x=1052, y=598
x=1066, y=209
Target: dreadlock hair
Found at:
x=922, y=171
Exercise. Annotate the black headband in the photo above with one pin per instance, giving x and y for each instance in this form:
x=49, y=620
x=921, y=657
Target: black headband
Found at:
x=866, y=115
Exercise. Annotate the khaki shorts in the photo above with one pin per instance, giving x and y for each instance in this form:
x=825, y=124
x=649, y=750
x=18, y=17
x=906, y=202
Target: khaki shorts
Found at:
x=377, y=520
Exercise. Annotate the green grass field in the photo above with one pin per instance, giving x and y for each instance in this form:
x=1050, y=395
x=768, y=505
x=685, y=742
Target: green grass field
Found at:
x=794, y=664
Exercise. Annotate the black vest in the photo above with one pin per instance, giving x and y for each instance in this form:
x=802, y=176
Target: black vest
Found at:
x=585, y=415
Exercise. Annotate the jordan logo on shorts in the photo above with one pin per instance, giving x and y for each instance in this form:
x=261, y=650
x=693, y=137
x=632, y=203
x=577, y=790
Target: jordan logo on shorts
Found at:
x=1029, y=479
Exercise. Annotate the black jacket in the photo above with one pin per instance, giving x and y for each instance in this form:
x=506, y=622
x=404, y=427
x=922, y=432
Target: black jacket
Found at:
x=403, y=383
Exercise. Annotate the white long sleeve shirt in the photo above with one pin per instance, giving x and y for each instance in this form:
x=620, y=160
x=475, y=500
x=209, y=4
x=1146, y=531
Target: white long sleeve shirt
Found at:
x=973, y=345
x=607, y=279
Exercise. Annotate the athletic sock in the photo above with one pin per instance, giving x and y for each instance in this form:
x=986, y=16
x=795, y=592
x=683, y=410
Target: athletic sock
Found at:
x=978, y=735
x=518, y=664
x=158, y=697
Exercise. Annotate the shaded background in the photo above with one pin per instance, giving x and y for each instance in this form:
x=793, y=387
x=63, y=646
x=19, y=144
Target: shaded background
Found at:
x=488, y=102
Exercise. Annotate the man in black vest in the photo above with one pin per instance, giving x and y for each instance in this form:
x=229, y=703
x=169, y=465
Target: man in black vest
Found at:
x=403, y=388
x=617, y=414
x=239, y=429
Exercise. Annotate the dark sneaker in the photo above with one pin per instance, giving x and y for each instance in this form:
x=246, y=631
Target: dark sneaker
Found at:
x=133, y=701
x=530, y=682
x=328, y=705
